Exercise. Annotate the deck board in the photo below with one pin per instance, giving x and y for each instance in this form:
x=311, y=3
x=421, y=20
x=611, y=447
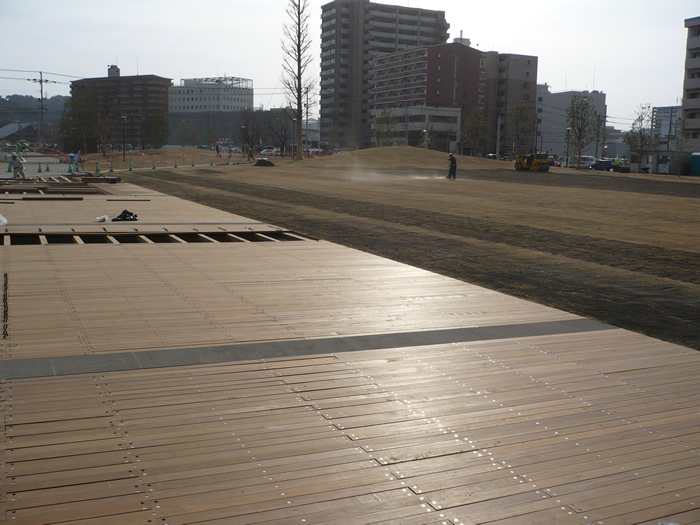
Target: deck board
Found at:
x=420, y=422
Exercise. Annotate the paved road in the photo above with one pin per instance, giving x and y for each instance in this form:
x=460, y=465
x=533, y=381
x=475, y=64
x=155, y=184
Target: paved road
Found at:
x=32, y=161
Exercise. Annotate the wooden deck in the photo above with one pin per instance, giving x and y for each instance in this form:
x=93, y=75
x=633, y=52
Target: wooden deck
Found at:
x=546, y=420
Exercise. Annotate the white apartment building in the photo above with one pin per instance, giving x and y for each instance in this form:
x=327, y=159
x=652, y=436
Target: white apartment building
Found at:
x=552, y=120
x=666, y=122
x=691, y=86
x=211, y=94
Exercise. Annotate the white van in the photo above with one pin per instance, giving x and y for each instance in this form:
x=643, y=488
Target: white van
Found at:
x=586, y=161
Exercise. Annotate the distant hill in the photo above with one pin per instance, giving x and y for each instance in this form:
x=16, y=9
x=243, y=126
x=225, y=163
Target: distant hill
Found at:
x=25, y=108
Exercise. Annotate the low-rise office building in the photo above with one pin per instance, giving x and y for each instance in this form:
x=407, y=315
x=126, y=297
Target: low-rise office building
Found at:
x=221, y=94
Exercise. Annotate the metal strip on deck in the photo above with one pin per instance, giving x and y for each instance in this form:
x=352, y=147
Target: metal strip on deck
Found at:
x=66, y=365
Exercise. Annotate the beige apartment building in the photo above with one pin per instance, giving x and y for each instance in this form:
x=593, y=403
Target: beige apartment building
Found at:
x=691, y=86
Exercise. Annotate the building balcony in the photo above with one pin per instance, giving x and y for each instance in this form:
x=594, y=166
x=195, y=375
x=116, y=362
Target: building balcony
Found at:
x=693, y=42
x=379, y=25
x=691, y=83
x=690, y=104
x=692, y=124
x=692, y=63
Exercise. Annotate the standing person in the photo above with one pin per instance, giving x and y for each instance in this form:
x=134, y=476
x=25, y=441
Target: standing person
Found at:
x=17, y=166
x=79, y=161
x=452, y=174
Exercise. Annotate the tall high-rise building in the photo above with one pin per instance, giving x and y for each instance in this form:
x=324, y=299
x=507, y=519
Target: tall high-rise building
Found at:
x=666, y=126
x=691, y=86
x=512, y=87
x=353, y=32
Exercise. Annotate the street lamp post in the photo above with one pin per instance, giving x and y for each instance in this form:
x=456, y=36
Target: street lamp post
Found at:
x=568, y=160
x=294, y=125
x=425, y=139
x=124, y=138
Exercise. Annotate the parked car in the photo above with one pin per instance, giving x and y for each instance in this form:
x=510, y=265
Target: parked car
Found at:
x=492, y=156
x=586, y=162
x=605, y=165
x=610, y=165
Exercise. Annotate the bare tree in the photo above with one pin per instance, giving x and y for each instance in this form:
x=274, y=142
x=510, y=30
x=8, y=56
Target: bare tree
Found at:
x=94, y=113
x=296, y=47
x=475, y=130
x=252, y=130
x=523, y=121
x=679, y=131
x=77, y=123
x=642, y=136
x=583, y=124
x=599, y=133
x=385, y=128
x=279, y=125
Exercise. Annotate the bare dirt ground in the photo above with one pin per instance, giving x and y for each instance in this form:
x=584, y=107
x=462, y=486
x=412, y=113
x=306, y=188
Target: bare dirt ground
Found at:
x=623, y=249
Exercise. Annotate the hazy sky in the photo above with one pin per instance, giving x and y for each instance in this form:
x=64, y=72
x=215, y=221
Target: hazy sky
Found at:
x=633, y=50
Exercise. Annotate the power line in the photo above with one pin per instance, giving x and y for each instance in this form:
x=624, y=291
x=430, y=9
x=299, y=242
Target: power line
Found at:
x=35, y=80
x=35, y=71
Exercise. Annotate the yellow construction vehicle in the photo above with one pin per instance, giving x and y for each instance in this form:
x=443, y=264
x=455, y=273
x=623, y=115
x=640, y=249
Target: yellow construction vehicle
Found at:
x=532, y=162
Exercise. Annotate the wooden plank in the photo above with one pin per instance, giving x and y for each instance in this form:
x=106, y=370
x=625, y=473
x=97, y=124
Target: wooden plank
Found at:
x=393, y=498
x=94, y=508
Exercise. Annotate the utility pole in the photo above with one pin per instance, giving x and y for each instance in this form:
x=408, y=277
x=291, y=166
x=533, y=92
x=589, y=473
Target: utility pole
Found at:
x=405, y=121
x=498, y=136
x=41, y=82
x=602, y=144
x=307, y=122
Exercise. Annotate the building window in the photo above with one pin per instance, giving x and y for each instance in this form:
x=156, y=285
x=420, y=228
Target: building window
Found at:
x=526, y=97
x=539, y=99
x=527, y=73
x=526, y=85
